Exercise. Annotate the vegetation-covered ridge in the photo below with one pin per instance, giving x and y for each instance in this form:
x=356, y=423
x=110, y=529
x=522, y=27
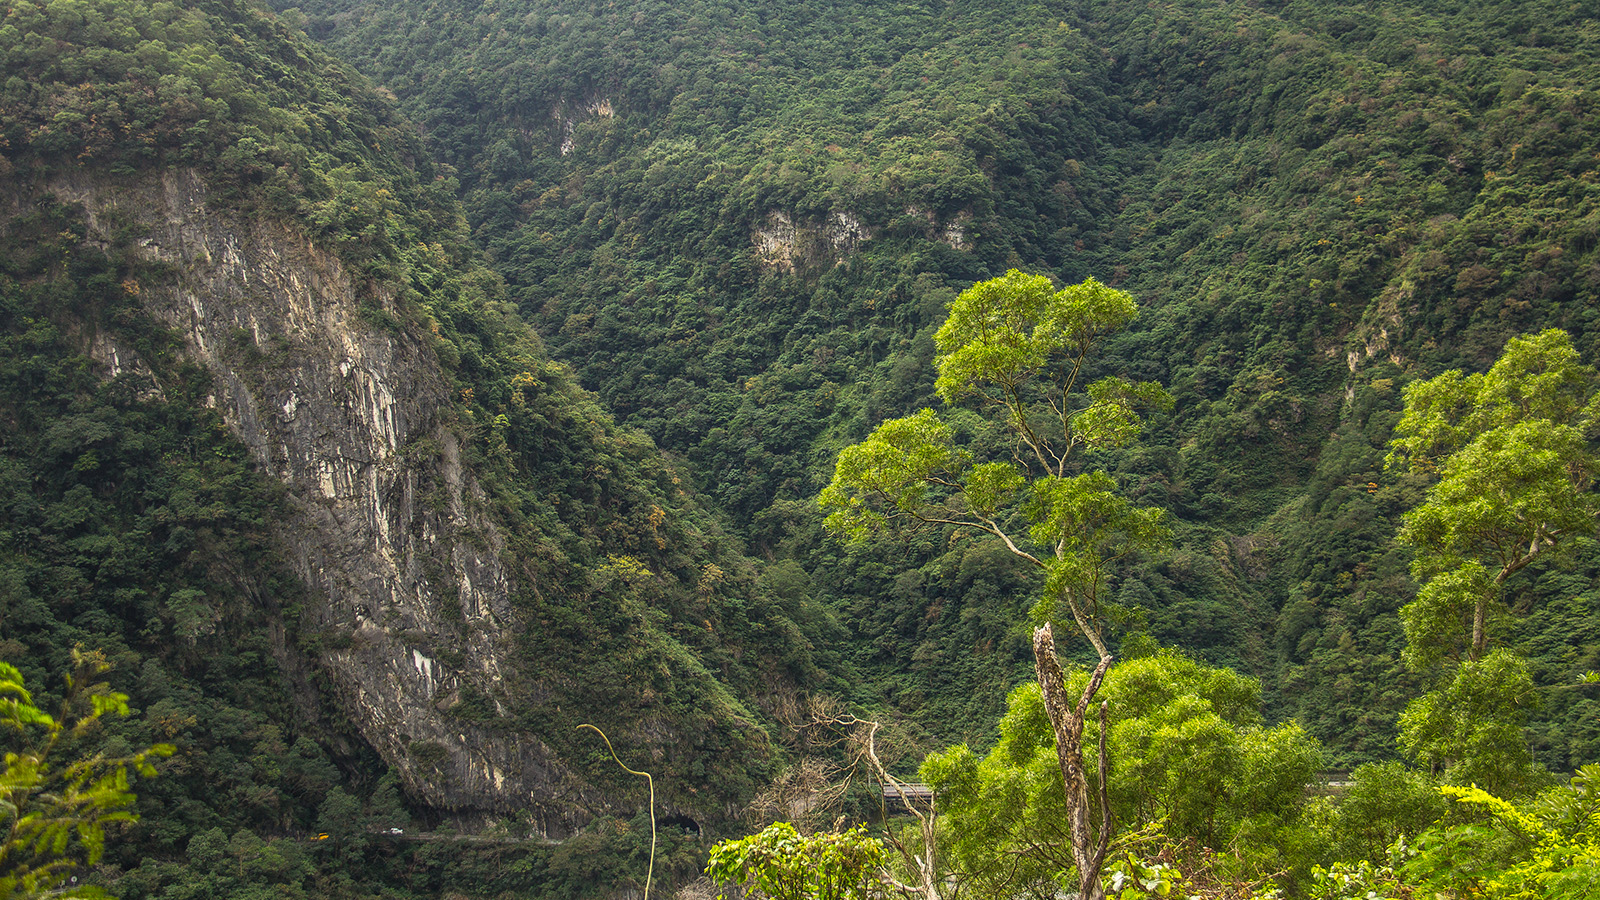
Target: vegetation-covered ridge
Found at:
x=740, y=225
x=138, y=526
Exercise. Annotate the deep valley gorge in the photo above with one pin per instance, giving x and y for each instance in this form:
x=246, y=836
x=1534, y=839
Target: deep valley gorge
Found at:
x=394, y=388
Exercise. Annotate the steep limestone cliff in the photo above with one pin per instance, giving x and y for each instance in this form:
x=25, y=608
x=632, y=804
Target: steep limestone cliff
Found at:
x=350, y=410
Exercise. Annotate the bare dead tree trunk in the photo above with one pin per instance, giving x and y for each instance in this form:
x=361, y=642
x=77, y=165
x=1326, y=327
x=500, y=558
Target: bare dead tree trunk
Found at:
x=924, y=864
x=1066, y=719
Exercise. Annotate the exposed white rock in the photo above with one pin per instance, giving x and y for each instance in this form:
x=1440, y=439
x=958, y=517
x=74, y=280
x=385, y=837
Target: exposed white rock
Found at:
x=955, y=234
x=845, y=233
x=774, y=240
x=598, y=108
x=329, y=414
x=785, y=245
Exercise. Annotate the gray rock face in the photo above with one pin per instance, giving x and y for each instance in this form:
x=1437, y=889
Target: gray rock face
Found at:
x=409, y=591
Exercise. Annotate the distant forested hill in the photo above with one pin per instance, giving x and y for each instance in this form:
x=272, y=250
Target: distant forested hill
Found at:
x=740, y=222
x=276, y=442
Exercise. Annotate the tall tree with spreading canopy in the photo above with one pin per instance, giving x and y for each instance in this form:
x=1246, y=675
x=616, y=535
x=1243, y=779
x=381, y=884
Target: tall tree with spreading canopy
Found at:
x=1020, y=348
x=1514, y=453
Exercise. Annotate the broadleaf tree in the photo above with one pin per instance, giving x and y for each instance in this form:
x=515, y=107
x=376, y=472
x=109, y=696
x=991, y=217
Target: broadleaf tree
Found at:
x=783, y=864
x=1020, y=348
x=1513, y=450
x=1189, y=752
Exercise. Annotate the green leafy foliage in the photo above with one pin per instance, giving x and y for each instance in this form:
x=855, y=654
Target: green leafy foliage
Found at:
x=138, y=525
x=1513, y=452
x=1544, y=848
x=1516, y=466
x=1016, y=344
x=1315, y=202
x=1019, y=345
x=1092, y=527
x=55, y=805
x=1386, y=803
x=1470, y=730
x=1188, y=752
x=783, y=864
x=1012, y=330
x=1149, y=865
x=890, y=475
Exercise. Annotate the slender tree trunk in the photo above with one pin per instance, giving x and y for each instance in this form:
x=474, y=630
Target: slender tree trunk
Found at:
x=926, y=864
x=1066, y=719
x=1480, y=640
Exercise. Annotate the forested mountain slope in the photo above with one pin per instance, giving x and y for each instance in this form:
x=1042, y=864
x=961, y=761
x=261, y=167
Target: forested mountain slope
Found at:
x=277, y=444
x=740, y=222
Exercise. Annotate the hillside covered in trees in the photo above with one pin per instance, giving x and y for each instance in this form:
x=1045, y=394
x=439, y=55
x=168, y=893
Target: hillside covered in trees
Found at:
x=278, y=447
x=740, y=226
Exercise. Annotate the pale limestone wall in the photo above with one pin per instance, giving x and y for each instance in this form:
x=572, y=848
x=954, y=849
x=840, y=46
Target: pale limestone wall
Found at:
x=329, y=404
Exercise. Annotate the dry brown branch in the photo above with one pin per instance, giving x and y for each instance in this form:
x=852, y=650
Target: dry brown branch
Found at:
x=808, y=794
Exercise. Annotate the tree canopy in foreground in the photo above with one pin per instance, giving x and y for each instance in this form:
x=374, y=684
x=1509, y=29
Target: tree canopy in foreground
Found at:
x=1020, y=348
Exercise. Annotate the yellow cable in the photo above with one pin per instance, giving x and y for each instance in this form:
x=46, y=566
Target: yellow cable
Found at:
x=651, y=871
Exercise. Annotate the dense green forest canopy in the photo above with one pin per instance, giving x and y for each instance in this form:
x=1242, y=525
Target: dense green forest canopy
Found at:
x=138, y=526
x=740, y=224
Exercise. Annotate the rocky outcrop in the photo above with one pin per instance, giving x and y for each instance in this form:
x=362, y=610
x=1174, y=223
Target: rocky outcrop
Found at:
x=775, y=240
x=347, y=408
x=952, y=232
x=788, y=246
x=567, y=120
